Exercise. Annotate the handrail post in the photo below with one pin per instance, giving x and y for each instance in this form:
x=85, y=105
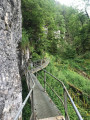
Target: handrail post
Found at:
x=36, y=74
x=33, y=64
x=44, y=81
x=28, y=79
x=65, y=105
x=32, y=105
x=41, y=62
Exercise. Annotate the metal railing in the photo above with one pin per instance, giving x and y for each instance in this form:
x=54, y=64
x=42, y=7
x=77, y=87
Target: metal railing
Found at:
x=28, y=74
x=26, y=99
x=66, y=94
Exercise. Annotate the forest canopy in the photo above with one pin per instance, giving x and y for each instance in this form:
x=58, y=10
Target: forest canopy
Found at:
x=43, y=18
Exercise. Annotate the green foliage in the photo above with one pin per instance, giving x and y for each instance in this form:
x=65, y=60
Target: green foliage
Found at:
x=86, y=55
x=63, y=72
x=69, y=53
x=43, y=14
x=27, y=109
x=25, y=40
x=77, y=30
x=74, y=28
x=35, y=56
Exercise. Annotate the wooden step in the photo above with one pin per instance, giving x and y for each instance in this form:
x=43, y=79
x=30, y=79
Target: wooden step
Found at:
x=54, y=118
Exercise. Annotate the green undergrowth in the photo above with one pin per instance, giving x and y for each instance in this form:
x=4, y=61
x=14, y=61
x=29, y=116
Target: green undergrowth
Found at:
x=25, y=40
x=27, y=109
x=79, y=90
x=65, y=74
x=78, y=64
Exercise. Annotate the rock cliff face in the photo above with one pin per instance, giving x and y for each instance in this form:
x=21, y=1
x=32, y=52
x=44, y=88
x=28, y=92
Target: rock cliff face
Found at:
x=10, y=36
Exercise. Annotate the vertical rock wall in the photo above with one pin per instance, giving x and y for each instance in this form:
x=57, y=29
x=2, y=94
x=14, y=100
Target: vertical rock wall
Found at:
x=10, y=36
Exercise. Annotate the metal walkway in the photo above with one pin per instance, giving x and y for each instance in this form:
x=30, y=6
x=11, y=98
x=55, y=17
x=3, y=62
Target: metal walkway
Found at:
x=43, y=105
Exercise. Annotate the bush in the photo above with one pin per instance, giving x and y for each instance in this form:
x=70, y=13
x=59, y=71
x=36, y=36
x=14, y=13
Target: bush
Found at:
x=86, y=55
x=69, y=53
x=25, y=40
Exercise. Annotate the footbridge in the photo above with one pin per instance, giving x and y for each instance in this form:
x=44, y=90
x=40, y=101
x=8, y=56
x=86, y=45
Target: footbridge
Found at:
x=42, y=106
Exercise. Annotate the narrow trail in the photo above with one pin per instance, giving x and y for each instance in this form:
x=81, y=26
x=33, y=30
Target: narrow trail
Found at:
x=44, y=108
x=43, y=105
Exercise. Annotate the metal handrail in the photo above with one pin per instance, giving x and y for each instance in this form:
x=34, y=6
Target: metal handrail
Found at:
x=74, y=106
x=65, y=89
x=55, y=94
x=25, y=101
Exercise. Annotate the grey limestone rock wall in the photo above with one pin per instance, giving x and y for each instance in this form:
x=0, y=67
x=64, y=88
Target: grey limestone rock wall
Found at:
x=10, y=36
